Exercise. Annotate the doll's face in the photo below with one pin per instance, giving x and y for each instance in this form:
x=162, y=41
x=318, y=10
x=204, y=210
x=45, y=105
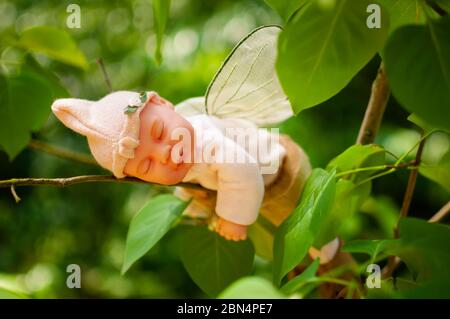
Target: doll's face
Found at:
x=159, y=157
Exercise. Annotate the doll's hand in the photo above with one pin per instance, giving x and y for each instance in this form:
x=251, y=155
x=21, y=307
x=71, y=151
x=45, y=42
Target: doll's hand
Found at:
x=230, y=230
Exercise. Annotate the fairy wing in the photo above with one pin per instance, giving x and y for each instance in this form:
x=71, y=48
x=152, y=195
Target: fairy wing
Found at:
x=191, y=107
x=246, y=85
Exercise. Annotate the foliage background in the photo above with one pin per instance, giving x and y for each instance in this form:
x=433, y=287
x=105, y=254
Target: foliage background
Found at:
x=87, y=224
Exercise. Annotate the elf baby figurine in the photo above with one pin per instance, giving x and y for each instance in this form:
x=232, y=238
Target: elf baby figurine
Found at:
x=249, y=171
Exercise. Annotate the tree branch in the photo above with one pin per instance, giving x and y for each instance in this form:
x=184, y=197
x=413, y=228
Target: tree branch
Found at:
x=68, y=181
x=375, y=108
x=61, y=152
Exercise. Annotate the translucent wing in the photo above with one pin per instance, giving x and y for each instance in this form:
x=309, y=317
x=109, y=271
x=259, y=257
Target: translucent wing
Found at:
x=247, y=86
x=191, y=107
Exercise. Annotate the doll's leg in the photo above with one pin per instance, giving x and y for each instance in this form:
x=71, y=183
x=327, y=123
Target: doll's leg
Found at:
x=202, y=204
x=281, y=197
x=230, y=230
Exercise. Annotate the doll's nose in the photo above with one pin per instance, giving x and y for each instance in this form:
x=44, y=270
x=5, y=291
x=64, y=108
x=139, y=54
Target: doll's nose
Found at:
x=163, y=154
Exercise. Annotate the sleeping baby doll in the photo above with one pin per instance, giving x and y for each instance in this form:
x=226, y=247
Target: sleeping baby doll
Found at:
x=217, y=142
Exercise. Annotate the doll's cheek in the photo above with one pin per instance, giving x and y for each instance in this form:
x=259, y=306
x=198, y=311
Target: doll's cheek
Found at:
x=132, y=167
x=170, y=176
x=144, y=166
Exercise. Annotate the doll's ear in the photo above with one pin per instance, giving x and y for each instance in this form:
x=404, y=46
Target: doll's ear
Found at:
x=74, y=113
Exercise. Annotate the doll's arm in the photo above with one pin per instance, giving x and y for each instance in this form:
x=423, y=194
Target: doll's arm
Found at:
x=240, y=193
x=240, y=188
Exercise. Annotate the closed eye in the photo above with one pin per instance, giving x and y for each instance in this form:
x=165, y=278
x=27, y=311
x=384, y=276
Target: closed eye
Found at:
x=157, y=129
x=144, y=166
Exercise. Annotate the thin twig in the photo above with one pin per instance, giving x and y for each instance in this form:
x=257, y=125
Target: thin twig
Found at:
x=376, y=168
x=375, y=109
x=105, y=74
x=391, y=266
x=68, y=181
x=444, y=211
x=16, y=197
x=394, y=261
x=62, y=152
x=421, y=139
x=436, y=8
x=412, y=181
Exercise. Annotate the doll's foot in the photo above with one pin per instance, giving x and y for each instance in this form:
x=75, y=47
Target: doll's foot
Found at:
x=230, y=230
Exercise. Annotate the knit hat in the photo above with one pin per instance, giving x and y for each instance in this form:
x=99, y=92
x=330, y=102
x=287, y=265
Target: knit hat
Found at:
x=111, y=124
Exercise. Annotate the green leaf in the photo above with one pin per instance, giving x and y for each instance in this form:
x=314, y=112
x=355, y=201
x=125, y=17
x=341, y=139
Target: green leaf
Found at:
x=297, y=233
x=161, y=10
x=214, y=262
x=439, y=173
x=413, y=118
x=444, y=4
x=55, y=43
x=422, y=246
x=402, y=12
x=24, y=107
x=314, y=68
x=262, y=238
x=9, y=294
x=303, y=279
x=57, y=87
x=370, y=247
x=384, y=211
x=356, y=157
x=348, y=200
x=350, y=197
x=149, y=225
x=251, y=288
x=387, y=290
x=420, y=79
x=435, y=289
x=285, y=8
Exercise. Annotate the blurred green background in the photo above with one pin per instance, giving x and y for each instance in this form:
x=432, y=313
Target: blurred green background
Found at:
x=87, y=224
